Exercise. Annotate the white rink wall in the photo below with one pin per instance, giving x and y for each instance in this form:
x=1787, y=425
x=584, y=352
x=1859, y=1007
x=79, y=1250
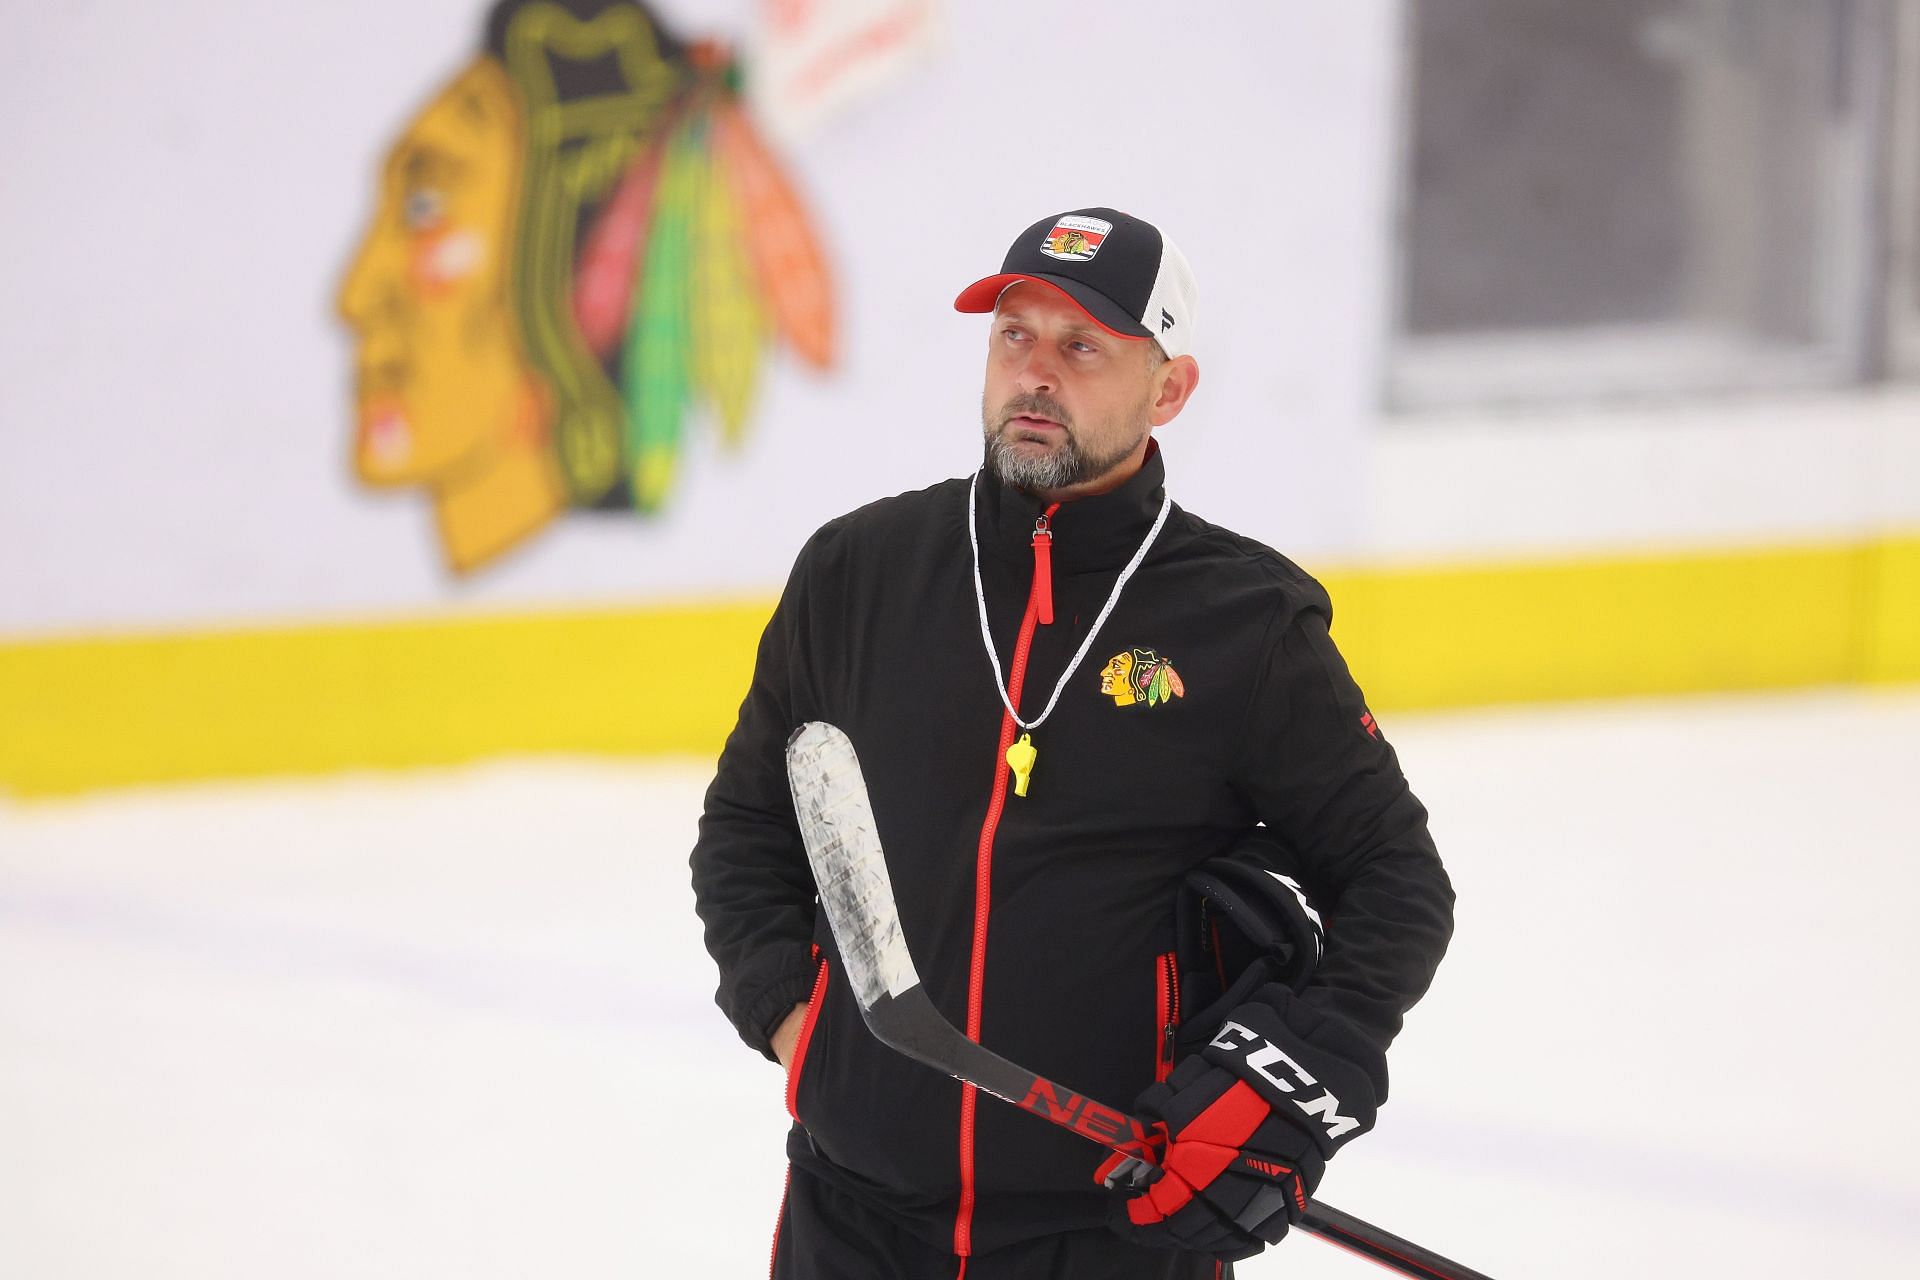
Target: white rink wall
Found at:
x=174, y=430
x=198, y=379
x=460, y=1024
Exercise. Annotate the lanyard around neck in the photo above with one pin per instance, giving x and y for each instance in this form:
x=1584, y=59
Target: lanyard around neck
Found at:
x=1113, y=598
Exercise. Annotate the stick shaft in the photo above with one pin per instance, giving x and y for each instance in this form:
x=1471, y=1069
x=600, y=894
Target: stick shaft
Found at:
x=910, y=1024
x=1383, y=1247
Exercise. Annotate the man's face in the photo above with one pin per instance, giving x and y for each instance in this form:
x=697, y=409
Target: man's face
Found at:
x=1066, y=401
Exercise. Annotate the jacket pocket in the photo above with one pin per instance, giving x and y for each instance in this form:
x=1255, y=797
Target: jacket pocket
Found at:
x=1166, y=984
x=798, y=1064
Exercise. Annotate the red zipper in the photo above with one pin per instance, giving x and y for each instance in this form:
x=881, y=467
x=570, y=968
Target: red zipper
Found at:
x=1167, y=1008
x=1042, y=589
x=806, y=1034
x=1043, y=569
x=786, y=1190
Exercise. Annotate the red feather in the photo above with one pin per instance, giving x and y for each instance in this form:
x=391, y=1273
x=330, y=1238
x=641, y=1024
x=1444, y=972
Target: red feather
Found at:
x=608, y=272
x=786, y=255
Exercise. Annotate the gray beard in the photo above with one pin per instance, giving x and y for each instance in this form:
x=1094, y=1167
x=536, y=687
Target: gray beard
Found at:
x=1062, y=469
x=1039, y=474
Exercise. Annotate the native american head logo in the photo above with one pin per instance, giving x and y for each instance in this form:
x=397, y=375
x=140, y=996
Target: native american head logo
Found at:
x=1071, y=244
x=1075, y=239
x=1140, y=675
x=580, y=252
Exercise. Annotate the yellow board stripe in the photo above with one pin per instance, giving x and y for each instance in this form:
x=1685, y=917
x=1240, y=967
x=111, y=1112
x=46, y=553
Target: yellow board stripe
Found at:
x=80, y=714
x=1892, y=611
x=85, y=713
x=1653, y=624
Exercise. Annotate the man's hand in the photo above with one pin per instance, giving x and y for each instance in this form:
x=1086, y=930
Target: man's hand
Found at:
x=1236, y=1173
x=787, y=1034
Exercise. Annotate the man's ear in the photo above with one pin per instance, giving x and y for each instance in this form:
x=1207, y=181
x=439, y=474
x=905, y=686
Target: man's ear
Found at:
x=1174, y=382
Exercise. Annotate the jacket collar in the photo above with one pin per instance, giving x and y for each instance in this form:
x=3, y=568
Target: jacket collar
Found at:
x=1100, y=532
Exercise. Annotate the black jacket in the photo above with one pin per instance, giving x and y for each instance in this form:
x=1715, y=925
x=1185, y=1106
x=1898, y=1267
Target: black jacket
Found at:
x=1050, y=930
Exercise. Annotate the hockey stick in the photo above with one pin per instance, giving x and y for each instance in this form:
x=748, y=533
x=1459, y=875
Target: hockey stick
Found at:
x=850, y=871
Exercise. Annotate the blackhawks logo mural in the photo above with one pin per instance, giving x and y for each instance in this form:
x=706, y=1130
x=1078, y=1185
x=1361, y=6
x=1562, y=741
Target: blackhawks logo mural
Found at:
x=1140, y=675
x=581, y=249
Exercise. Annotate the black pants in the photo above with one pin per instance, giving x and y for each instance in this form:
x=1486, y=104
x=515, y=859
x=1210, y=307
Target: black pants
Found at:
x=825, y=1234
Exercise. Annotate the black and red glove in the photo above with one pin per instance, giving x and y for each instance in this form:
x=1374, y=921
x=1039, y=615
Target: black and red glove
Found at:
x=1235, y=1175
x=1249, y=1123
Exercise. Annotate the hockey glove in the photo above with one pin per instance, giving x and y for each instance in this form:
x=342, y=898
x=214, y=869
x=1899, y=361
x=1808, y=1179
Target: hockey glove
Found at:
x=1250, y=1123
x=1240, y=925
x=1235, y=1175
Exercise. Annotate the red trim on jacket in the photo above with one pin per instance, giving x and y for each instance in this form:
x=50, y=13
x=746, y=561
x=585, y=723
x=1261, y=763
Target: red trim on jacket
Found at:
x=1042, y=585
x=1166, y=974
x=786, y=1189
x=806, y=1036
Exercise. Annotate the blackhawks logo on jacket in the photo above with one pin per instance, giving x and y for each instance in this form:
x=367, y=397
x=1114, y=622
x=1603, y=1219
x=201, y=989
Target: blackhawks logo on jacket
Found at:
x=1140, y=675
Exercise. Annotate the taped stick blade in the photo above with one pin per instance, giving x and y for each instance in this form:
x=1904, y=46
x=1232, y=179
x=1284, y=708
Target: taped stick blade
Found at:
x=850, y=870
x=849, y=867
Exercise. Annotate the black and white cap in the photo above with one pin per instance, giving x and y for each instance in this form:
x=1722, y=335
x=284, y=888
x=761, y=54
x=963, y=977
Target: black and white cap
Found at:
x=1121, y=271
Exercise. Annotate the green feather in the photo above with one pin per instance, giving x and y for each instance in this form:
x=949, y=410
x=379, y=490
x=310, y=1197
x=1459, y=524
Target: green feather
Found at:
x=658, y=347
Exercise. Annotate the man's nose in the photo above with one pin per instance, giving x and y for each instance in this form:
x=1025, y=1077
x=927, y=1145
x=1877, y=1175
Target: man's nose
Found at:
x=1039, y=373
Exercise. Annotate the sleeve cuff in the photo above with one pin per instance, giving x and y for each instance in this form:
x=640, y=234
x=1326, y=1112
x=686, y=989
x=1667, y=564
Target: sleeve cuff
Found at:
x=761, y=1017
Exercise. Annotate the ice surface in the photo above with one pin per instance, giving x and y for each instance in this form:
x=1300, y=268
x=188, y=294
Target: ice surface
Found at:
x=459, y=1022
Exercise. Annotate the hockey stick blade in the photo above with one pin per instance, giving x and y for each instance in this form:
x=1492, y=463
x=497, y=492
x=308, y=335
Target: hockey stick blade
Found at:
x=850, y=871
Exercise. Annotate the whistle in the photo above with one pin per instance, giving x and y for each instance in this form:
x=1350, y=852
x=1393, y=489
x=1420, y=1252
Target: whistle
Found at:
x=1020, y=758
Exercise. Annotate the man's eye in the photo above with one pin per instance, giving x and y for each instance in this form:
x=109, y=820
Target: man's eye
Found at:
x=1083, y=347
x=423, y=209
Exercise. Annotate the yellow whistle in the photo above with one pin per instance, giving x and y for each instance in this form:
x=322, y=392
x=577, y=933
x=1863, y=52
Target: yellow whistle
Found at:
x=1020, y=758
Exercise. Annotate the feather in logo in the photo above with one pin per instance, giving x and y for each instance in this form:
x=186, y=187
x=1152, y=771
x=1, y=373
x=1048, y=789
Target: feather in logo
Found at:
x=1140, y=676
x=581, y=246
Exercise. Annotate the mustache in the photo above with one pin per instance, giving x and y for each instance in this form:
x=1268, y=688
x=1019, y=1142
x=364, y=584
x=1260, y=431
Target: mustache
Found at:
x=1034, y=405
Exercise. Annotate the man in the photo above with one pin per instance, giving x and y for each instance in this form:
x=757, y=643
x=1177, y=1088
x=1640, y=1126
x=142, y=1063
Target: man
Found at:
x=1126, y=694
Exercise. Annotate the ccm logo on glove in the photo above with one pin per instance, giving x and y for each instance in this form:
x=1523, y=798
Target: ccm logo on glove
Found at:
x=1263, y=1055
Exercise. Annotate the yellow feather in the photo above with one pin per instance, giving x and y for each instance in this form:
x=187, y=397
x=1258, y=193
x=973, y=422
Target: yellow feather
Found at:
x=729, y=323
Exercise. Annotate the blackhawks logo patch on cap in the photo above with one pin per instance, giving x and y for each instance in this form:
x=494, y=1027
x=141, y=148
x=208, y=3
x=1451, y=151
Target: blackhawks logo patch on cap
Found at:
x=1140, y=675
x=1075, y=239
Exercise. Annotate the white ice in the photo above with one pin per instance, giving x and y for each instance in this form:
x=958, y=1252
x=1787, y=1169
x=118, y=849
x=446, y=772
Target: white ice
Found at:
x=458, y=1023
